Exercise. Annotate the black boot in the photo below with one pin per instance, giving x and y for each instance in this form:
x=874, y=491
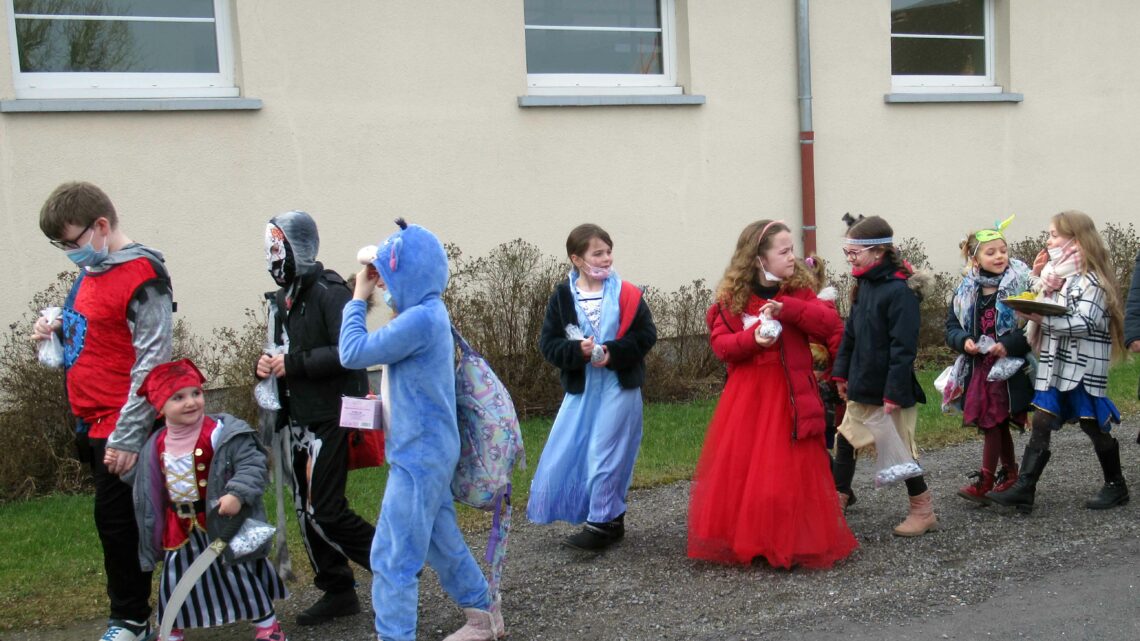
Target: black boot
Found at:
x=1115, y=490
x=1023, y=491
x=595, y=537
x=330, y=606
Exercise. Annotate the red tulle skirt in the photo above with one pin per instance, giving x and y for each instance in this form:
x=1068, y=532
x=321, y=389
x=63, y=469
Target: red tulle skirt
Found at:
x=757, y=493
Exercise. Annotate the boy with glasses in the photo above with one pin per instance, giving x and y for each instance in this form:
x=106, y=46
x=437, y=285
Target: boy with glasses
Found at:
x=116, y=326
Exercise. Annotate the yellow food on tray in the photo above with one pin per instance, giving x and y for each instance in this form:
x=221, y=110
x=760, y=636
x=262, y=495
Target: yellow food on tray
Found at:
x=1024, y=296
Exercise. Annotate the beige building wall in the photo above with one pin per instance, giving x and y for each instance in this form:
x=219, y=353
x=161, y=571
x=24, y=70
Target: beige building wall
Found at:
x=409, y=108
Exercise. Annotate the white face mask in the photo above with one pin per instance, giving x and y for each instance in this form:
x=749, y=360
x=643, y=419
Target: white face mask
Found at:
x=1055, y=253
x=769, y=276
x=597, y=273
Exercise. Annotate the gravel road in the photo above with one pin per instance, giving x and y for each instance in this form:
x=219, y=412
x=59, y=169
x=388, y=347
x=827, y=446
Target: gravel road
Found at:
x=1062, y=572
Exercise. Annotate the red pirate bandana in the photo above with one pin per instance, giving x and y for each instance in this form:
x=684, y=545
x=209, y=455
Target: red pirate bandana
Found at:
x=166, y=379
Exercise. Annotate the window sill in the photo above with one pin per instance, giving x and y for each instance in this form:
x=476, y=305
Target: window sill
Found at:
x=952, y=97
x=609, y=101
x=129, y=104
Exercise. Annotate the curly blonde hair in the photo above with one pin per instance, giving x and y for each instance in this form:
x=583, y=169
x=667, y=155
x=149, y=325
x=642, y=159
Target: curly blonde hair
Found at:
x=735, y=286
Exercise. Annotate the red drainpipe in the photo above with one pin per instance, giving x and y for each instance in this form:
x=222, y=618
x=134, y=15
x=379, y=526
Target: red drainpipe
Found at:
x=807, y=189
x=807, y=132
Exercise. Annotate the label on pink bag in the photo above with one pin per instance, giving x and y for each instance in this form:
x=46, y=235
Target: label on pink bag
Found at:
x=361, y=413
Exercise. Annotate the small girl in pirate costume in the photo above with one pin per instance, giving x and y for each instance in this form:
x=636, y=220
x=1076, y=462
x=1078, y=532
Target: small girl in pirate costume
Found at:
x=193, y=464
x=976, y=312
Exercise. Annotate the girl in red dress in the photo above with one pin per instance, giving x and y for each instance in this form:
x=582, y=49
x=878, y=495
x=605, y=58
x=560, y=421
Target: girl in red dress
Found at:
x=763, y=486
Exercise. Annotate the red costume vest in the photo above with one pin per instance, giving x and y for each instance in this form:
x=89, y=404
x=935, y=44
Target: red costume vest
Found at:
x=97, y=337
x=180, y=518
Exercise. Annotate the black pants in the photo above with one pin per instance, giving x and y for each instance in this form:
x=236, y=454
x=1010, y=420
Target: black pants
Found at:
x=127, y=586
x=332, y=532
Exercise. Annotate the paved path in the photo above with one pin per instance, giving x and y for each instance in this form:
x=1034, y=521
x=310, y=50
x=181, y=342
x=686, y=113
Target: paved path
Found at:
x=1063, y=572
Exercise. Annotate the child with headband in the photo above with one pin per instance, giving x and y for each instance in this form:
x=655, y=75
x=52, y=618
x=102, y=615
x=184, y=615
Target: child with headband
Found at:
x=874, y=370
x=985, y=332
x=763, y=487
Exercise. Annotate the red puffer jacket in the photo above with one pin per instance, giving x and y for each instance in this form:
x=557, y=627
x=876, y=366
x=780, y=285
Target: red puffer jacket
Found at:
x=805, y=318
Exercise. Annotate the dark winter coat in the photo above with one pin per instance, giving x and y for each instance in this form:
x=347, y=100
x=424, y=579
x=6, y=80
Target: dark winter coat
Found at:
x=627, y=353
x=1132, y=309
x=880, y=341
x=1020, y=386
x=314, y=377
x=238, y=467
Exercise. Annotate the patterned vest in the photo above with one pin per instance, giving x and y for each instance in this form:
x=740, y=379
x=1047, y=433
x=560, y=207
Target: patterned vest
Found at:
x=186, y=509
x=98, y=351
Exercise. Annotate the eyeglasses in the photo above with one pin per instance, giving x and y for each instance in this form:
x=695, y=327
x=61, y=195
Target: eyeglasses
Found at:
x=851, y=254
x=71, y=244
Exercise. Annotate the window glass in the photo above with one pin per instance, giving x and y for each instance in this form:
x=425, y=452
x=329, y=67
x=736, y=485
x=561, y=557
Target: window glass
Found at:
x=621, y=37
x=624, y=52
x=147, y=8
x=116, y=46
x=593, y=13
x=938, y=38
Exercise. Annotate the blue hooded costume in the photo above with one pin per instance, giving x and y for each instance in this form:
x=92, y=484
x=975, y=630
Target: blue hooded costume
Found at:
x=417, y=516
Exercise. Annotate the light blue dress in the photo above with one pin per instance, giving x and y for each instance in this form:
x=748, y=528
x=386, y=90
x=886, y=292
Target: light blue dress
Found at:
x=586, y=467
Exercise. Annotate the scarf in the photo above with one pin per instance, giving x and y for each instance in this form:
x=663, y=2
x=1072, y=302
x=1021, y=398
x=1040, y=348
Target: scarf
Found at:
x=1054, y=274
x=1014, y=280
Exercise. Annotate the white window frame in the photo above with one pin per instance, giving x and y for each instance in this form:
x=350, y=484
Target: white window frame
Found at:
x=665, y=83
x=38, y=85
x=946, y=84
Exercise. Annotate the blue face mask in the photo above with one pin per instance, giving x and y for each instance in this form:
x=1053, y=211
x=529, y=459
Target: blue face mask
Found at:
x=87, y=256
x=388, y=300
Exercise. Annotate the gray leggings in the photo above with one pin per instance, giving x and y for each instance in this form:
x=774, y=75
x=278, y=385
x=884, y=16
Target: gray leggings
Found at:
x=1044, y=424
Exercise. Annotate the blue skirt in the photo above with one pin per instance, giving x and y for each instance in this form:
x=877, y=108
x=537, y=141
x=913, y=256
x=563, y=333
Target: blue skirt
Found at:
x=1077, y=404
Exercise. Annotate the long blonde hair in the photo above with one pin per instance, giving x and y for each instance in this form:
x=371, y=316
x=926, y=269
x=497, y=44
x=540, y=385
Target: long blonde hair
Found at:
x=1094, y=258
x=735, y=286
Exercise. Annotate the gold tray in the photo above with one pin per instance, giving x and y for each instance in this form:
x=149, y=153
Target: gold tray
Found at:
x=1027, y=306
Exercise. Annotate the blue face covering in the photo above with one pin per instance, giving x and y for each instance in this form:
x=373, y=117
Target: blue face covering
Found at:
x=87, y=256
x=388, y=300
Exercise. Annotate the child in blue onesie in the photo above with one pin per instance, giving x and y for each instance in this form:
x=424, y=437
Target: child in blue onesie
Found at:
x=417, y=516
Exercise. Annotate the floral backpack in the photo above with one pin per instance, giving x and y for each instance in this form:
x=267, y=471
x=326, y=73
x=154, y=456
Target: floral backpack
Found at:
x=490, y=448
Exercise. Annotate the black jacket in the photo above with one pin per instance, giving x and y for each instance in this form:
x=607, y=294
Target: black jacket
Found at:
x=314, y=377
x=1132, y=310
x=1019, y=385
x=627, y=354
x=880, y=341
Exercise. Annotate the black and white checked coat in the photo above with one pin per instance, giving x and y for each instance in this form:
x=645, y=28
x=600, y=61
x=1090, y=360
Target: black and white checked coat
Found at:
x=1075, y=348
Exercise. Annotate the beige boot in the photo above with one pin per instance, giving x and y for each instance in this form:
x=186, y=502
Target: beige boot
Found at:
x=920, y=519
x=482, y=625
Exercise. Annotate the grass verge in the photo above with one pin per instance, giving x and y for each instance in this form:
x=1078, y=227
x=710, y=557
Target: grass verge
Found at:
x=52, y=555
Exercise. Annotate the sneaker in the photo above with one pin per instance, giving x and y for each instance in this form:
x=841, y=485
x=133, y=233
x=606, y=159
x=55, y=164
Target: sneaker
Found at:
x=269, y=633
x=125, y=630
x=176, y=634
x=330, y=606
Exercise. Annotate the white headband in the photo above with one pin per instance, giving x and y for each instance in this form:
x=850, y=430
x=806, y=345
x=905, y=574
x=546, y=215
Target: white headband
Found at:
x=871, y=241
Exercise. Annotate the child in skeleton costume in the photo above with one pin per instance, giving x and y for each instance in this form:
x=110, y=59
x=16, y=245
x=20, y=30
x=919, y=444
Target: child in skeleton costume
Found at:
x=188, y=467
x=417, y=521
x=312, y=381
x=1074, y=352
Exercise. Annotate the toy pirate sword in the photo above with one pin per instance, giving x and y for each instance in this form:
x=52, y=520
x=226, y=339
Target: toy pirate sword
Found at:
x=237, y=532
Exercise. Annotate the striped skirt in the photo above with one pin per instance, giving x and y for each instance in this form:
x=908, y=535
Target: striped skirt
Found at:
x=225, y=593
